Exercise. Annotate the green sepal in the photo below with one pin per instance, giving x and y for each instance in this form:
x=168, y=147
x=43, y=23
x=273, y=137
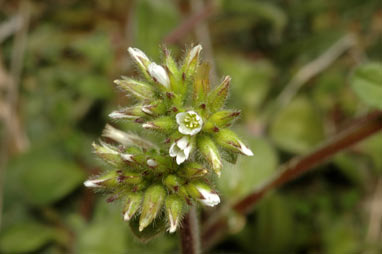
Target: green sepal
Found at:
x=164, y=124
x=191, y=62
x=193, y=170
x=210, y=152
x=220, y=119
x=229, y=140
x=152, y=203
x=201, y=85
x=218, y=96
x=174, y=209
x=108, y=153
x=140, y=90
x=173, y=183
x=131, y=204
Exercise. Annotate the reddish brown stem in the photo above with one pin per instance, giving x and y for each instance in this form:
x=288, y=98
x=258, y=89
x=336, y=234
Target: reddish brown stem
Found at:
x=361, y=129
x=189, y=233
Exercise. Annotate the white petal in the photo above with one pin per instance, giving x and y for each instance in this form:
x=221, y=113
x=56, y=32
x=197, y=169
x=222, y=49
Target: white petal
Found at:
x=245, y=150
x=187, y=151
x=152, y=163
x=119, y=115
x=159, y=74
x=138, y=55
x=180, y=157
x=116, y=135
x=127, y=157
x=180, y=117
x=93, y=183
x=183, y=142
x=147, y=110
x=173, y=224
x=194, y=52
x=210, y=198
x=194, y=131
x=184, y=130
x=173, y=150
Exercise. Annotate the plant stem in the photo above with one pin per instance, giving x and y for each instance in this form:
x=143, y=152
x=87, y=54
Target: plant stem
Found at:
x=189, y=233
x=362, y=128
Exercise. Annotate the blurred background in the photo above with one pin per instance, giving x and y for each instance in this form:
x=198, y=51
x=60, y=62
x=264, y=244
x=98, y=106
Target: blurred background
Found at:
x=290, y=61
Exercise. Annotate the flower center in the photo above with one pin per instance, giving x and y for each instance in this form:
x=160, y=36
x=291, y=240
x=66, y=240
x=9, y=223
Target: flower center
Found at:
x=191, y=121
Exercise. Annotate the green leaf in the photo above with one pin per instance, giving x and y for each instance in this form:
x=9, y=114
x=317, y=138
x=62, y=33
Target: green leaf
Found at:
x=151, y=231
x=25, y=237
x=46, y=178
x=297, y=128
x=366, y=82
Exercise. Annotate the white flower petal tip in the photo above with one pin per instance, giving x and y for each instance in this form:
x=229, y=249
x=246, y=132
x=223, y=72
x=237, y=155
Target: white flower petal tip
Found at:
x=146, y=109
x=115, y=134
x=181, y=149
x=93, y=183
x=159, y=74
x=152, y=163
x=126, y=216
x=127, y=157
x=119, y=115
x=245, y=150
x=189, y=123
x=173, y=225
x=138, y=55
x=117, y=81
x=210, y=198
x=195, y=51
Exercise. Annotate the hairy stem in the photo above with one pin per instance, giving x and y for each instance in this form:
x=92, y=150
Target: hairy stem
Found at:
x=189, y=233
x=362, y=128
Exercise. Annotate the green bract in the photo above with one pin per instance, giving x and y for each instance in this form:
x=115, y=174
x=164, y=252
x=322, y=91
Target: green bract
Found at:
x=178, y=103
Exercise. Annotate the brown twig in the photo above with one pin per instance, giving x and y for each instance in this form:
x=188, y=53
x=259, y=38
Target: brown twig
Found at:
x=189, y=233
x=363, y=128
x=189, y=24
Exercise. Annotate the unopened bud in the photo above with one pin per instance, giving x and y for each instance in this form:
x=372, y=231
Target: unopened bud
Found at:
x=107, y=180
x=163, y=124
x=174, y=208
x=192, y=61
x=173, y=182
x=139, y=89
x=153, y=199
x=217, y=97
x=159, y=74
x=108, y=153
x=126, y=139
x=129, y=113
x=193, y=170
x=132, y=204
x=201, y=85
x=154, y=109
x=141, y=59
x=203, y=193
x=209, y=150
x=221, y=119
x=228, y=139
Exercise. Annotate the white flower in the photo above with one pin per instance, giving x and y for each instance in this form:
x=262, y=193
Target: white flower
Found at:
x=181, y=149
x=190, y=123
x=210, y=198
x=139, y=56
x=159, y=74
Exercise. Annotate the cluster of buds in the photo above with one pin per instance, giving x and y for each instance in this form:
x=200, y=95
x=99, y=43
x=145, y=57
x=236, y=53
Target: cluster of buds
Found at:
x=178, y=103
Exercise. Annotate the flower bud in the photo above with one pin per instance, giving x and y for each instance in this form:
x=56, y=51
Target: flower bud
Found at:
x=126, y=139
x=153, y=199
x=181, y=149
x=129, y=177
x=209, y=150
x=221, y=119
x=141, y=59
x=229, y=140
x=192, y=61
x=107, y=180
x=201, y=84
x=193, y=170
x=217, y=97
x=108, y=153
x=129, y=113
x=173, y=182
x=163, y=124
x=203, y=193
x=174, y=209
x=132, y=203
x=139, y=89
x=159, y=75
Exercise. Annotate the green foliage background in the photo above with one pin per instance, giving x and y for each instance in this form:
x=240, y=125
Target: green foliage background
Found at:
x=75, y=48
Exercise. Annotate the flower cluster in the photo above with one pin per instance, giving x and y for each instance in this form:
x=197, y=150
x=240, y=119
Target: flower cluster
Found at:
x=177, y=102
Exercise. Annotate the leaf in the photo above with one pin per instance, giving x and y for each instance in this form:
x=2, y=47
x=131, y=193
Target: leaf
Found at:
x=25, y=237
x=297, y=128
x=151, y=231
x=46, y=178
x=366, y=82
